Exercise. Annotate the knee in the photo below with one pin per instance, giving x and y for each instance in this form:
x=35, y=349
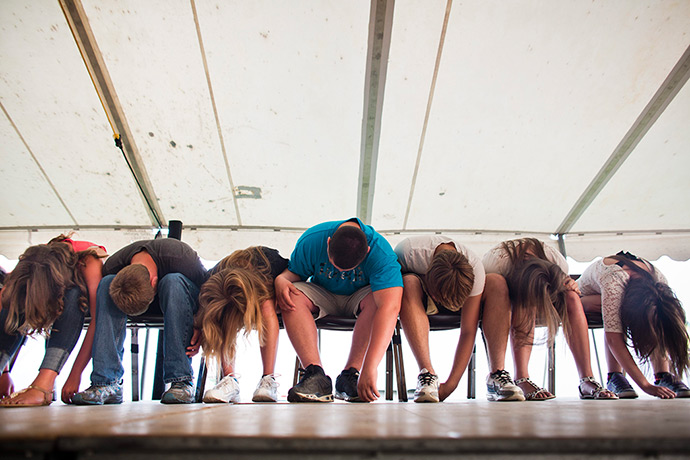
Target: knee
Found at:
x=412, y=290
x=495, y=285
x=171, y=282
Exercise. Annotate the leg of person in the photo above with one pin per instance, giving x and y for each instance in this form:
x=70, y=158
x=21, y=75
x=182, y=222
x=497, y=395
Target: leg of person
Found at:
x=346, y=382
x=616, y=381
x=227, y=390
x=108, y=348
x=663, y=377
x=267, y=389
x=9, y=344
x=178, y=298
x=522, y=338
x=578, y=340
x=415, y=324
x=314, y=385
x=496, y=314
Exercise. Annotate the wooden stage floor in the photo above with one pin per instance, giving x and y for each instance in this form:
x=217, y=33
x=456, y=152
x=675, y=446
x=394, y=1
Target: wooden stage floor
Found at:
x=563, y=428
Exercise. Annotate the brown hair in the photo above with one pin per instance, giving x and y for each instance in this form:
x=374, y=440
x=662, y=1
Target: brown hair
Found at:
x=653, y=318
x=34, y=291
x=231, y=300
x=449, y=279
x=348, y=247
x=536, y=286
x=131, y=289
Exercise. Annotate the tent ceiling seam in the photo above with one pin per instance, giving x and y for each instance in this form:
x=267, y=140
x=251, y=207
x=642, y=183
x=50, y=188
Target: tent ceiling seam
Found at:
x=38, y=164
x=97, y=70
x=432, y=89
x=202, y=51
x=650, y=114
x=380, y=27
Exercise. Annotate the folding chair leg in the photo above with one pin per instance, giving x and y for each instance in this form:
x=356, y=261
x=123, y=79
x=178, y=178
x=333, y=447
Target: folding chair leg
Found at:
x=135, y=363
x=472, y=374
x=295, y=376
x=158, y=385
x=551, y=373
x=399, y=365
x=201, y=381
x=596, y=353
x=389, y=372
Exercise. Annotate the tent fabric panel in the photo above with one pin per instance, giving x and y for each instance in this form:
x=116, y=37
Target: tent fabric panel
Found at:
x=288, y=80
x=46, y=90
x=152, y=54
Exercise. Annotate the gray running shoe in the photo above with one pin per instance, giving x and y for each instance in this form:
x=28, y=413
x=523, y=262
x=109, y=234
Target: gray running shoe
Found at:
x=500, y=387
x=97, y=395
x=673, y=383
x=313, y=386
x=179, y=393
x=427, y=387
x=618, y=384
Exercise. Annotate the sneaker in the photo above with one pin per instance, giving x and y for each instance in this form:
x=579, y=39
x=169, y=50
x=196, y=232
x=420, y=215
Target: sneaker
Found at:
x=225, y=391
x=618, y=384
x=179, y=393
x=346, y=385
x=500, y=387
x=314, y=386
x=673, y=383
x=266, y=390
x=427, y=387
x=99, y=394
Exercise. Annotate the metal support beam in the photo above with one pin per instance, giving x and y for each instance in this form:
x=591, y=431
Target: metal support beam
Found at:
x=380, y=26
x=95, y=64
x=651, y=113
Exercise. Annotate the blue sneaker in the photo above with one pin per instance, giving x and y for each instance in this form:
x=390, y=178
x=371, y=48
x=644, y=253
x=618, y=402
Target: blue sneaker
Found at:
x=97, y=395
x=179, y=393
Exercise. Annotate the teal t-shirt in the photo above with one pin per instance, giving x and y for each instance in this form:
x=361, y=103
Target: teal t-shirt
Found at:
x=309, y=260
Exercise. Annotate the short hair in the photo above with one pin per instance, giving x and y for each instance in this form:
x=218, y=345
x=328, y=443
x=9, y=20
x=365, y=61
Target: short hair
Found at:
x=131, y=290
x=450, y=279
x=348, y=247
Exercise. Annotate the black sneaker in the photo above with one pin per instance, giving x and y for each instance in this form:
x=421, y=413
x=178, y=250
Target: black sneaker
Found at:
x=314, y=386
x=618, y=384
x=673, y=383
x=346, y=385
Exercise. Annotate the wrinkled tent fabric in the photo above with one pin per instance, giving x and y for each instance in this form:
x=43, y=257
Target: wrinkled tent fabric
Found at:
x=251, y=121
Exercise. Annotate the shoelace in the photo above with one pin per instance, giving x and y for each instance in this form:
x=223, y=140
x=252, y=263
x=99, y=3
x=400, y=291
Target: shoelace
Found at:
x=427, y=378
x=502, y=376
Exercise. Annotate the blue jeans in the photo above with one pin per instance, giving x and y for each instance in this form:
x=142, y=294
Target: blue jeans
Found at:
x=178, y=300
x=64, y=334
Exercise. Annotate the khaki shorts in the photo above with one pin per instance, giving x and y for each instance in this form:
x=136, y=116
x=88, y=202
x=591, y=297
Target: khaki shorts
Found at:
x=333, y=304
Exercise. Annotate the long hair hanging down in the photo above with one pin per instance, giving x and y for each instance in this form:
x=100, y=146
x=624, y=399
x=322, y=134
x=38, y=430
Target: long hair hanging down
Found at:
x=231, y=301
x=34, y=291
x=653, y=318
x=537, y=288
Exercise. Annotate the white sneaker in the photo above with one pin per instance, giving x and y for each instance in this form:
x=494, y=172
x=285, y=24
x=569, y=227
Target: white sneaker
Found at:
x=427, y=387
x=500, y=387
x=266, y=390
x=226, y=391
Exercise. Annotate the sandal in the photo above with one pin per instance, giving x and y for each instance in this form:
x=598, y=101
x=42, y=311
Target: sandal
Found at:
x=47, y=398
x=599, y=391
x=534, y=395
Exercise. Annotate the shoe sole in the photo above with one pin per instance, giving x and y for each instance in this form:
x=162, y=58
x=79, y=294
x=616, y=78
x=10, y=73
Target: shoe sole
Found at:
x=263, y=399
x=426, y=398
x=499, y=398
x=84, y=402
x=628, y=394
x=294, y=396
x=346, y=397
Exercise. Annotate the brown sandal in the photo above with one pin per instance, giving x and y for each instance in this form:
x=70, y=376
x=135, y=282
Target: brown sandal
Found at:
x=533, y=395
x=47, y=398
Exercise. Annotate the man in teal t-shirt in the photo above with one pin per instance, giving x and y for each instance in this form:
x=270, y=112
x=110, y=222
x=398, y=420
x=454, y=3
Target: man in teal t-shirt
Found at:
x=341, y=268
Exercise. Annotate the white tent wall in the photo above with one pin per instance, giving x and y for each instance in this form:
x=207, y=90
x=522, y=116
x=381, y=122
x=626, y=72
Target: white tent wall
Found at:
x=251, y=121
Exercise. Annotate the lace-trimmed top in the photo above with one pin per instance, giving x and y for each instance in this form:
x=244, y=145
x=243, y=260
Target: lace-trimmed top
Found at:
x=609, y=281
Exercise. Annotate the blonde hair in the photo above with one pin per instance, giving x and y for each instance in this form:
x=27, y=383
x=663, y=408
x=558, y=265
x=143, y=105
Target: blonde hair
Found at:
x=131, y=289
x=449, y=279
x=34, y=291
x=537, y=288
x=231, y=300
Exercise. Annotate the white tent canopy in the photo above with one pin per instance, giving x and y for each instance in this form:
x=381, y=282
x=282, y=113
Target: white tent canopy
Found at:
x=251, y=121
